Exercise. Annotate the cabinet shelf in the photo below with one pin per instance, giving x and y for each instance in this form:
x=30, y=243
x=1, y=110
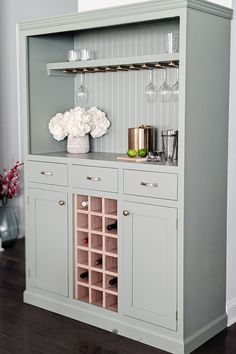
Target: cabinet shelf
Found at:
x=158, y=61
x=97, y=250
x=112, y=271
x=112, y=252
x=112, y=290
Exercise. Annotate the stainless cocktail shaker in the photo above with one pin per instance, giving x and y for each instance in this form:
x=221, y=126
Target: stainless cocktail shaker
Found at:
x=170, y=144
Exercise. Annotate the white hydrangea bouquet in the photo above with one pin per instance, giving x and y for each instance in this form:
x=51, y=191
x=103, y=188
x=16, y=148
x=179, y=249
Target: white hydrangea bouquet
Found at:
x=77, y=124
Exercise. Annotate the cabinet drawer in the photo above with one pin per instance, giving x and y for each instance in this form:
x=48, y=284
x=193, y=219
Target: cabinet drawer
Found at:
x=46, y=172
x=96, y=178
x=151, y=184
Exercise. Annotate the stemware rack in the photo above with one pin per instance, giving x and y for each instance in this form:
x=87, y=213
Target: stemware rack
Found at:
x=146, y=62
x=96, y=251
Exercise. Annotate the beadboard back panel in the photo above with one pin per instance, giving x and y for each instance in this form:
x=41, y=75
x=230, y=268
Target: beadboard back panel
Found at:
x=128, y=40
x=121, y=94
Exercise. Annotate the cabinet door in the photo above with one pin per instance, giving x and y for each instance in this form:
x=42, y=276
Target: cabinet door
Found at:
x=47, y=241
x=150, y=263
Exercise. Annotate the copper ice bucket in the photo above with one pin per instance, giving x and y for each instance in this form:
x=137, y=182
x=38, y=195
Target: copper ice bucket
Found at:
x=142, y=137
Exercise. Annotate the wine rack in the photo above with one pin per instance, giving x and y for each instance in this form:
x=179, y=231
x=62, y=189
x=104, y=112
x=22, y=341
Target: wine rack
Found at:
x=96, y=257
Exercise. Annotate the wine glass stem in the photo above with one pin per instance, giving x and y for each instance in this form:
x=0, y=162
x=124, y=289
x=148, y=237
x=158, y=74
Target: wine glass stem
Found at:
x=165, y=76
x=150, y=76
x=82, y=79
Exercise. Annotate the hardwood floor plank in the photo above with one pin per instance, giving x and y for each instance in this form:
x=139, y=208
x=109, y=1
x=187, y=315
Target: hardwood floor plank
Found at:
x=25, y=329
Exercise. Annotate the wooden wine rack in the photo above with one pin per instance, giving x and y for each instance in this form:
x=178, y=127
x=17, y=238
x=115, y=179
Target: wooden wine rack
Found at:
x=94, y=242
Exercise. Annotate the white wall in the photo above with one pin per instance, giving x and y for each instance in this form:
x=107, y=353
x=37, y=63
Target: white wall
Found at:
x=231, y=259
x=85, y=5
x=12, y=12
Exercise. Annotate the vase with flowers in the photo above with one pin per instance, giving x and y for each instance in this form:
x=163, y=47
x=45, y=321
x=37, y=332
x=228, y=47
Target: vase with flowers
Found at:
x=9, y=188
x=77, y=124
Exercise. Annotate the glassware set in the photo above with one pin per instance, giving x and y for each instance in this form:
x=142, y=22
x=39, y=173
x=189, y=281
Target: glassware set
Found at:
x=165, y=93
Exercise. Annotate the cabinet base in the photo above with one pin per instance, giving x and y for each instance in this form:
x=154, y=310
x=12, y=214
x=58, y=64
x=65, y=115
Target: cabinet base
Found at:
x=124, y=329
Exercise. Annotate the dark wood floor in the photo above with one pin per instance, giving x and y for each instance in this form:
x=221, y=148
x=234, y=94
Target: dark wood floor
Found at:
x=27, y=329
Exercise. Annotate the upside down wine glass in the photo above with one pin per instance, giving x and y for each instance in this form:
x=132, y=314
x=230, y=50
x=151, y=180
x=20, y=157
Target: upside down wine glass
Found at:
x=165, y=90
x=82, y=93
x=150, y=89
x=175, y=87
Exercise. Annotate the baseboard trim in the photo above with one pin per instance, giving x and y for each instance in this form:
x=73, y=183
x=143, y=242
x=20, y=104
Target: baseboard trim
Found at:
x=121, y=327
x=125, y=329
x=231, y=311
x=1, y=249
x=205, y=333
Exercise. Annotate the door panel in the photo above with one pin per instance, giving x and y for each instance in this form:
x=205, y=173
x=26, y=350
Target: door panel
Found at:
x=47, y=240
x=150, y=247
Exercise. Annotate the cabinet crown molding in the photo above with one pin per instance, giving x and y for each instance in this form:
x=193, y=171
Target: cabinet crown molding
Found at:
x=149, y=10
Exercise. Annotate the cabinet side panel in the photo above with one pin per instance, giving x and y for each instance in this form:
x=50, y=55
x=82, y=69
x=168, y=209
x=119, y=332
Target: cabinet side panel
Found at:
x=207, y=90
x=48, y=95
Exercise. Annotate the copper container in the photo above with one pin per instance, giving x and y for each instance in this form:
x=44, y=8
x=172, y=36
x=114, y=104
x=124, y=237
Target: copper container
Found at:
x=142, y=137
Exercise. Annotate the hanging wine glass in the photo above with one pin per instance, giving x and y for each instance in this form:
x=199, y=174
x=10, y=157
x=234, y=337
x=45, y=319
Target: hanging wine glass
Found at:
x=165, y=90
x=150, y=90
x=175, y=87
x=82, y=93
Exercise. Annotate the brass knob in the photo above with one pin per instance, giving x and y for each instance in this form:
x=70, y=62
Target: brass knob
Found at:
x=125, y=212
x=61, y=202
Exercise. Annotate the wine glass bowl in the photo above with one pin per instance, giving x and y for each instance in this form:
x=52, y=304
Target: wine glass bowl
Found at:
x=150, y=90
x=82, y=93
x=165, y=90
x=175, y=88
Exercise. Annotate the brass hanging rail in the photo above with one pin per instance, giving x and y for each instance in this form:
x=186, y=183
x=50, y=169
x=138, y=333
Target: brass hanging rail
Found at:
x=126, y=67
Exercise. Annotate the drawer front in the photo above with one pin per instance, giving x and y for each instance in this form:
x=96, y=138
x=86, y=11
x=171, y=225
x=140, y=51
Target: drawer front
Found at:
x=151, y=184
x=46, y=172
x=96, y=178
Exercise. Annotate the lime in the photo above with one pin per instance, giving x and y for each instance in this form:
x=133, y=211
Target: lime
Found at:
x=132, y=153
x=142, y=153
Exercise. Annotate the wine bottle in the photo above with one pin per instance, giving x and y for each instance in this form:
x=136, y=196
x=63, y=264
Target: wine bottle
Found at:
x=84, y=204
x=112, y=226
x=98, y=261
x=85, y=241
x=113, y=281
x=84, y=275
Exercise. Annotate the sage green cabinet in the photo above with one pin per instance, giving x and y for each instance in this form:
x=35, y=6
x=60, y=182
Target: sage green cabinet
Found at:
x=48, y=263
x=166, y=270
x=150, y=263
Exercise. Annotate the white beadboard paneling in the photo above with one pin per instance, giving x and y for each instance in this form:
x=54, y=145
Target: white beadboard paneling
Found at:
x=121, y=96
x=127, y=40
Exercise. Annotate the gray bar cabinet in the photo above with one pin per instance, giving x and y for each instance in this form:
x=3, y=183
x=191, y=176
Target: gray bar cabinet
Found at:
x=159, y=277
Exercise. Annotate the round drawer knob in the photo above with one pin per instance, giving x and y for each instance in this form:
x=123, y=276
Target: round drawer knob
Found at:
x=61, y=202
x=125, y=212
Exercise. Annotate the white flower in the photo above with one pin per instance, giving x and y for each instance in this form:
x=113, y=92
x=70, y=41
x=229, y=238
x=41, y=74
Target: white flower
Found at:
x=57, y=128
x=79, y=122
x=99, y=122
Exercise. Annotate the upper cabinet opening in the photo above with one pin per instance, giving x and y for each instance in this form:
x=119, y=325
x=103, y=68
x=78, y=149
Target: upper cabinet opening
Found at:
x=127, y=58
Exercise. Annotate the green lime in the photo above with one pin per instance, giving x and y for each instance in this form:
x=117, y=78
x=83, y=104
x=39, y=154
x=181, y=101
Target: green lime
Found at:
x=142, y=153
x=132, y=153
